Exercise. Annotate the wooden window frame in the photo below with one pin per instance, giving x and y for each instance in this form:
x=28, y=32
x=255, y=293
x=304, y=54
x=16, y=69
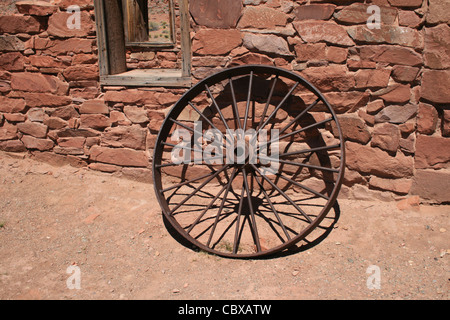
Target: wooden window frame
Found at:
x=111, y=51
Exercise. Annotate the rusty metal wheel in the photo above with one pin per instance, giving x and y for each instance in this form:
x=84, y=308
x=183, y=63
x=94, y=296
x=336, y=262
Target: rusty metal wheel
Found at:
x=248, y=162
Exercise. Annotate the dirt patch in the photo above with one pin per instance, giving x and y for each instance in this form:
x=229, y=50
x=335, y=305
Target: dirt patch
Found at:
x=111, y=228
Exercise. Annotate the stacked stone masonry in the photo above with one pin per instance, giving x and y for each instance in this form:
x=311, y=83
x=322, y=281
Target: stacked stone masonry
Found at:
x=390, y=86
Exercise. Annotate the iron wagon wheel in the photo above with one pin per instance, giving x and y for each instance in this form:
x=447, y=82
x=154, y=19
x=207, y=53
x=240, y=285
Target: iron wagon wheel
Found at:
x=248, y=162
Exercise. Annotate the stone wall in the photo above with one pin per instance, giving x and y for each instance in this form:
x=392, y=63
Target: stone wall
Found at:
x=389, y=86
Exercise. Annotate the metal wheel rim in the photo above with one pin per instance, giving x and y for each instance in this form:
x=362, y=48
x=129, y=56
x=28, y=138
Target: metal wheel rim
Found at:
x=184, y=102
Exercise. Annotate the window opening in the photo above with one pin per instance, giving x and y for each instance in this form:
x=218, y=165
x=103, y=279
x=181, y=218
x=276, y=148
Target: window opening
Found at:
x=149, y=23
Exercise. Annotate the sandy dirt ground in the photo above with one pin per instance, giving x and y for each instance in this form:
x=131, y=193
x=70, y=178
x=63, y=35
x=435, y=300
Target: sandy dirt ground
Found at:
x=108, y=233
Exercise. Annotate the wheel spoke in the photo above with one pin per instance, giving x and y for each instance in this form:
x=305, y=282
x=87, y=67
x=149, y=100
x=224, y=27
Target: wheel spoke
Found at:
x=266, y=107
x=235, y=108
x=192, y=150
x=300, y=164
x=185, y=126
x=277, y=108
x=249, y=95
x=309, y=150
x=302, y=186
x=282, y=193
x=217, y=108
x=300, y=115
x=221, y=206
x=178, y=185
x=172, y=164
x=273, y=208
x=197, y=189
x=178, y=146
x=202, y=115
x=316, y=124
x=268, y=143
x=252, y=213
x=238, y=218
x=227, y=187
x=206, y=119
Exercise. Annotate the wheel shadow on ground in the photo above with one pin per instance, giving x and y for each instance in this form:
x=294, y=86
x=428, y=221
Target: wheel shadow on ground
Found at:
x=321, y=232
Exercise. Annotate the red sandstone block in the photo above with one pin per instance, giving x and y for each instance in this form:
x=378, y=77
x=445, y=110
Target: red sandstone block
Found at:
x=357, y=13
x=65, y=112
x=37, y=144
x=432, y=152
x=132, y=137
x=216, y=14
x=12, y=146
x=386, y=136
x=120, y=156
x=405, y=73
x=11, y=105
x=136, y=114
x=93, y=107
x=45, y=100
x=330, y=78
x=375, y=106
x=15, y=117
x=317, y=31
x=63, y=47
x=216, y=41
x=368, y=78
x=436, y=86
x=336, y=54
x=432, y=185
x=406, y=3
x=72, y=142
x=19, y=24
x=57, y=25
x=361, y=64
x=249, y=58
x=55, y=123
x=81, y=72
x=437, y=47
x=83, y=4
x=118, y=118
x=262, y=18
x=366, y=159
x=314, y=12
x=347, y=101
x=310, y=51
x=12, y=61
x=131, y=96
x=36, y=82
x=403, y=36
x=353, y=129
x=390, y=54
x=409, y=19
x=427, y=118
x=36, y=8
x=8, y=132
x=401, y=186
x=95, y=121
x=397, y=93
x=45, y=62
x=35, y=129
x=103, y=167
